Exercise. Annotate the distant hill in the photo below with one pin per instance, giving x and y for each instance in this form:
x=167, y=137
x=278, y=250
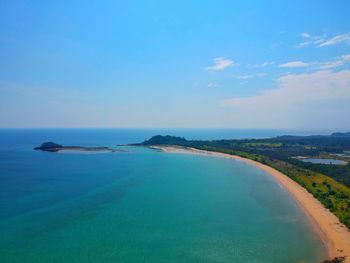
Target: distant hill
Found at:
x=335, y=141
x=165, y=140
x=341, y=134
x=283, y=148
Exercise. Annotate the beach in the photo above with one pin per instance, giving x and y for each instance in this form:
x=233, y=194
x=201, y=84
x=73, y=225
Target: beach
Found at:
x=142, y=205
x=335, y=235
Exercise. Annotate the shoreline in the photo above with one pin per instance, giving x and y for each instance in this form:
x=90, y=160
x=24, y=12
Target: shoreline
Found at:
x=334, y=235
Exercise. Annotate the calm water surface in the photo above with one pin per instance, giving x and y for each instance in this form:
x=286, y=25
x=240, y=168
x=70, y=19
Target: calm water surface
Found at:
x=142, y=205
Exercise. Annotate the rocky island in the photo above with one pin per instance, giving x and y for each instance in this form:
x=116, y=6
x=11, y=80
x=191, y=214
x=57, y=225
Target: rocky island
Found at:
x=54, y=147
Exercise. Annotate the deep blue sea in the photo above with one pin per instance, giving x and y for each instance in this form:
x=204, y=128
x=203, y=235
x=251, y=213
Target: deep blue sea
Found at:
x=143, y=205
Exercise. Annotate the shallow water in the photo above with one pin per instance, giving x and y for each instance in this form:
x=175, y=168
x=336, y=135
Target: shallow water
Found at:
x=141, y=205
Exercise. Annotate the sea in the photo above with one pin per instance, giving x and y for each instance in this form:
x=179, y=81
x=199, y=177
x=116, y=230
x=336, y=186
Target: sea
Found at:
x=143, y=205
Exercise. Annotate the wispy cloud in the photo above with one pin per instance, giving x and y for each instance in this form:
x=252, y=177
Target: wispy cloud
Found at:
x=317, y=65
x=221, y=64
x=212, y=85
x=262, y=65
x=294, y=64
x=334, y=63
x=309, y=40
x=331, y=64
x=246, y=77
x=305, y=35
x=311, y=99
x=339, y=39
x=323, y=41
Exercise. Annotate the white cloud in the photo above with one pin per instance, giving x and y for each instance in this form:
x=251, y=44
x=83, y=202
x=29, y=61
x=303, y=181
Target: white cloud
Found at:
x=263, y=65
x=346, y=58
x=339, y=39
x=315, y=100
x=331, y=64
x=335, y=63
x=323, y=41
x=246, y=77
x=305, y=35
x=309, y=40
x=294, y=64
x=221, y=64
x=212, y=85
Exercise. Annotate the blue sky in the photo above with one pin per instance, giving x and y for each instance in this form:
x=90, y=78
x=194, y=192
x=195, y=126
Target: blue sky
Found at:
x=233, y=64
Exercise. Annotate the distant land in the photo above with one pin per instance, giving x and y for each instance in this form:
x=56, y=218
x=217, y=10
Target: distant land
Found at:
x=54, y=147
x=293, y=156
x=287, y=148
x=319, y=164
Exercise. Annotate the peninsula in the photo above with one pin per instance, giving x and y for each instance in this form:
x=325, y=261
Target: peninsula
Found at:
x=320, y=189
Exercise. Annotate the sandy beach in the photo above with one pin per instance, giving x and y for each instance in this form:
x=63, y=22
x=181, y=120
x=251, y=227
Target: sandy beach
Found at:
x=335, y=235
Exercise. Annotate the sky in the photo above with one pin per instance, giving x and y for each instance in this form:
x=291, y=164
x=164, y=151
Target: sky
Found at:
x=175, y=64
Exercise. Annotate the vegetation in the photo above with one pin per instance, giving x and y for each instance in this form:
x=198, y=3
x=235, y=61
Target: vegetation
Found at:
x=335, y=260
x=284, y=148
x=327, y=183
x=263, y=144
x=165, y=140
x=49, y=147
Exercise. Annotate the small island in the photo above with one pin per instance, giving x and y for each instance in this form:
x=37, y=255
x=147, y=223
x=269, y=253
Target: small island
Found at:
x=54, y=147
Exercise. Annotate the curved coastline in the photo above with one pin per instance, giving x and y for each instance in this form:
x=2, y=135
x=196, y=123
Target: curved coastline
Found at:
x=334, y=235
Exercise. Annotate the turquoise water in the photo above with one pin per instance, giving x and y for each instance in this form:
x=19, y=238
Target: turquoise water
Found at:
x=141, y=205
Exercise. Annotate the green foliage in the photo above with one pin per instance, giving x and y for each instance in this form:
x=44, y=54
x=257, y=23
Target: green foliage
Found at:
x=335, y=260
x=340, y=173
x=165, y=140
x=263, y=144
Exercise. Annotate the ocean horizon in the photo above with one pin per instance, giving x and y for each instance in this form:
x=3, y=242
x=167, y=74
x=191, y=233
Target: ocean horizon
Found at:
x=175, y=131
x=142, y=205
